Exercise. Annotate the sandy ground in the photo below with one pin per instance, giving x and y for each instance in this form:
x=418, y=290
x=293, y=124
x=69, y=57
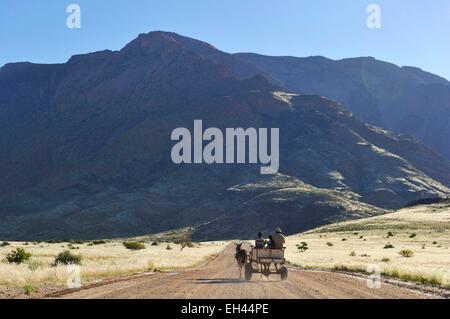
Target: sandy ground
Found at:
x=220, y=279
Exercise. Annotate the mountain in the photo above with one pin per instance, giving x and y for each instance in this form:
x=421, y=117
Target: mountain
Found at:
x=85, y=149
x=400, y=99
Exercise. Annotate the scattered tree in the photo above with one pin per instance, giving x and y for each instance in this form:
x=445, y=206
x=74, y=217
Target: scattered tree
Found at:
x=303, y=246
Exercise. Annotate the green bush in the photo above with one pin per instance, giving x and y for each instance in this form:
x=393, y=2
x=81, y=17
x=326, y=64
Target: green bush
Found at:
x=5, y=243
x=18, y=256
x=390, y=234
x=352, y=254
x=388, y=246
x=67, y=258
x=412, y=236
x=28, y=289
x=155, y=243
x=133, y=245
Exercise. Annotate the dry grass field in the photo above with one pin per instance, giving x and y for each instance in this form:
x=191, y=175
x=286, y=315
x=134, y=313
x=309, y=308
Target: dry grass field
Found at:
x=99, y=261
x=410, y=244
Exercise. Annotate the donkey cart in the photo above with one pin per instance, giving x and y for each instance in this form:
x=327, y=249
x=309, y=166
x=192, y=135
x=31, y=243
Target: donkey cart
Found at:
x=263, y=258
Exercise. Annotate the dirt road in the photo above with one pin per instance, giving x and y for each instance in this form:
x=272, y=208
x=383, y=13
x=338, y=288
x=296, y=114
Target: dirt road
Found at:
x=219, y=279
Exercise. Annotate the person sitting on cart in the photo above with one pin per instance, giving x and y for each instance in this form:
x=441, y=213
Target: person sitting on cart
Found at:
x=260, y=242
x=278, y=239
x=271, y=243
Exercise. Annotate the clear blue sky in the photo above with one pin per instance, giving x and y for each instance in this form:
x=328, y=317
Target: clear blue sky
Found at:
x=414, y=32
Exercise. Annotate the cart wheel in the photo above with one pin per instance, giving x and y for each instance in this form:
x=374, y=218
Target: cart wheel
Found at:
x=284, y=273
x=248, y=271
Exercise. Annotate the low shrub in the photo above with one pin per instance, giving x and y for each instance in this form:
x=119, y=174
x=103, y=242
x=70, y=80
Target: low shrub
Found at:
x=5, y=243
x=77, y=242
x=348, y=268
x=18, y=256
x=133, y=245
x=99, y=242
x=329, y=244
x=388, y=246
x=28, y=289
x=70, y=246
x=151, y=266
x=406, y=253
x=54, y=241
x=67, y=258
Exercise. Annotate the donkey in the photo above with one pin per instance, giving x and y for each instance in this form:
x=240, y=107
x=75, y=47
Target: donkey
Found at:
x=241, y=257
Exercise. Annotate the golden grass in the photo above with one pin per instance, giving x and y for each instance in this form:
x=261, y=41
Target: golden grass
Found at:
x=99, y=261
x=421, y=241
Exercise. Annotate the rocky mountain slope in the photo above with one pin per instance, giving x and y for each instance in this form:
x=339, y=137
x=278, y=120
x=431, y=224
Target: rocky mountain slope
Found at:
x=401, y=99
x=85, y=149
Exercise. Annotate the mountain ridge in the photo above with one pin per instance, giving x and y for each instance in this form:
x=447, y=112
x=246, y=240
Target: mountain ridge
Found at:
x=400, y=99
x=86, y=149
